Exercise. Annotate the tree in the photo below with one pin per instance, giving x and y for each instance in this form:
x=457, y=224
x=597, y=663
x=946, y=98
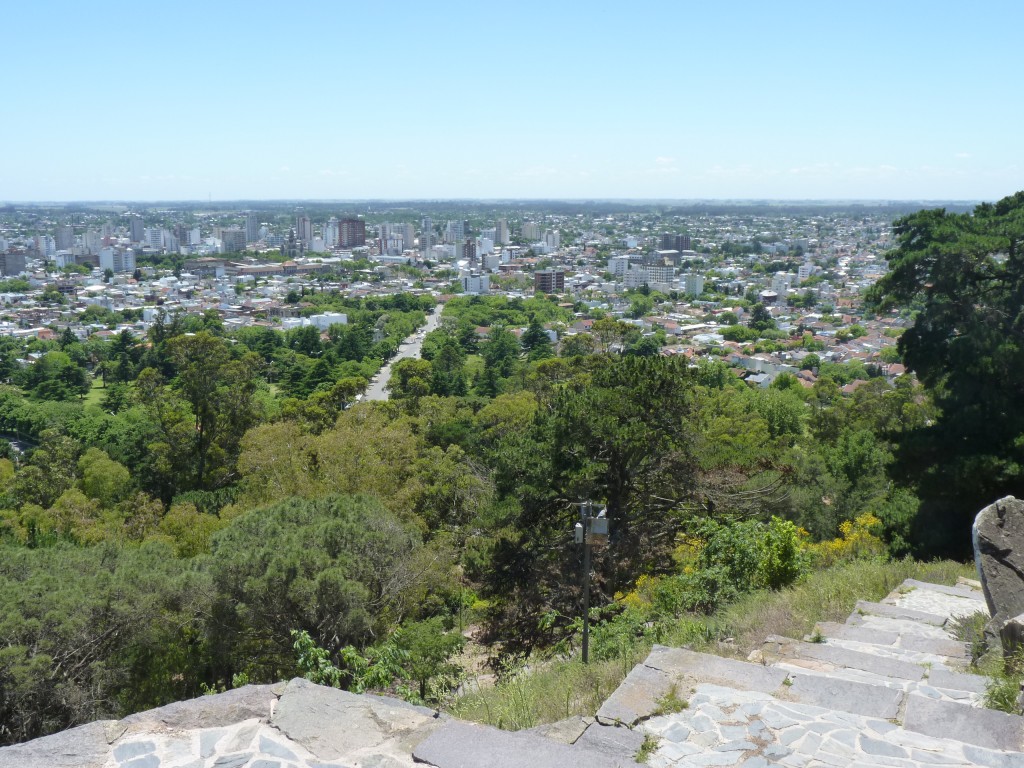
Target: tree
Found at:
x=55, y=376
x=535, y=341
x=964, y=273
x=761, y=319
x=447, y=376
x=342, y=568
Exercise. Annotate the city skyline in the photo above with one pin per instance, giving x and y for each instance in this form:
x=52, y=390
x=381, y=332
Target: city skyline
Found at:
x=456, y=101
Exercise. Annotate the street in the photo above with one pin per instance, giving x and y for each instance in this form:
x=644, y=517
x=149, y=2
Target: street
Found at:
x=410, y=348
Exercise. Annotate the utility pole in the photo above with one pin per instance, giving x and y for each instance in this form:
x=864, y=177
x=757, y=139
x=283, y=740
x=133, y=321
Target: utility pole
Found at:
x=591, y=529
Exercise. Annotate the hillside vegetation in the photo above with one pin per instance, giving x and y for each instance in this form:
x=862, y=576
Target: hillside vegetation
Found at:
x=229, y=513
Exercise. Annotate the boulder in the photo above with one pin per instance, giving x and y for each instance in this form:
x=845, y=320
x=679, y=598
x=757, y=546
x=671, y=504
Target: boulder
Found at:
x=998, y=537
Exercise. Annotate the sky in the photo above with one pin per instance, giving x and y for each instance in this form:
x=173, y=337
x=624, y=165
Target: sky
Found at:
x=896, y=100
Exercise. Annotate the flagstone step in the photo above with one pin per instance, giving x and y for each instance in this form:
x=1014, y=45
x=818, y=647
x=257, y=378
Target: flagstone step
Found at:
x=776, y=649
x=866, y=608
x=457, y=744
x=952, y=650
x=727, y=727
x=644, y=691
x=938, y=599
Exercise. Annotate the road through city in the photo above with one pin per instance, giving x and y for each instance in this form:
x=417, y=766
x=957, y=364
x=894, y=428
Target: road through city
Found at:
x=410, y=348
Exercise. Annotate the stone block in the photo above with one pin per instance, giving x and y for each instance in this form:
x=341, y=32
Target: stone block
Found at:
x=896, y=612
x=219, y=710
x=464, y=745
x=693, y=668
x=611, y=740
x=846, y=696
x=949, y=720
x=83, y=747
x=637, y=696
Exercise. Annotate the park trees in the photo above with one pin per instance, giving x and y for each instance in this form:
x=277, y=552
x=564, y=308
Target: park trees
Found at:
x=964, y=276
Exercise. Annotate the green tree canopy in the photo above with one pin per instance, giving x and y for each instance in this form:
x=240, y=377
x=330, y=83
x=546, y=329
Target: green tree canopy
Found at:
x=964, y=273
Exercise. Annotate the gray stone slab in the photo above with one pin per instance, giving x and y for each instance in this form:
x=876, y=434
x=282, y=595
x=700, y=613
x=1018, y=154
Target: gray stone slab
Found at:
x=949, y=720
x=957, y=681
x=954, y=649
x=83, y=747
x=612, y=740
x=895, y=612
x=970, y=594
x=636, y=697
x=694, y=668
x=214, y=711
x=566, y=731
x=332, y=723
x=844, y=657
x=860, y=634
x=464, y=745
x=846, y=696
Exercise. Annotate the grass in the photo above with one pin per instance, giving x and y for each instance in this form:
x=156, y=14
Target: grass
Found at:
x=96, y=392
x=555, y=690
x=828, y=595
x=671, y=702
x=648, y=748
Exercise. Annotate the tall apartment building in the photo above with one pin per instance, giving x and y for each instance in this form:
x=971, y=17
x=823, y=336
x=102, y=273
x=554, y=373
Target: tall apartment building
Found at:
x=469, y=249
x=456, y=232
x=117, y=260
x=252, y=227
x=136, y=231
x=331, y=233
x=408, y=233
x=549, y=280
x=426, y=234
x=675, y=242
x=352, y=233
x=65, y=238
x=232, y=240
x=693, y=284
x=531, y=231
x=303, y=228
x=501, y=235
x=12, y=263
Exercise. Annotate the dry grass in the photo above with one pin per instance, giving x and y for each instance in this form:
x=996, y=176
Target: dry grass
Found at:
x=828, y=595
x=555, y=690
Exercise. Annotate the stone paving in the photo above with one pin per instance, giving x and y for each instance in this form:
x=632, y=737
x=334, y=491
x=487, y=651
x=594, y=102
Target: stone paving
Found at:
x=725, y=727
x=885, y=688
x=901, y=648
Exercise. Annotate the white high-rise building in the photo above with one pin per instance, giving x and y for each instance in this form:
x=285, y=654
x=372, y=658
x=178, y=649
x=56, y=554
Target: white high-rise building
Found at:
x=693, y=284
x=531, y=231
x=331, y=235
x=501, y=236
x=618, y=265
x=408, y=232
x=455, y=232
x=92, y=242
x=252, y=227
x=117, y=260
x=426, y=234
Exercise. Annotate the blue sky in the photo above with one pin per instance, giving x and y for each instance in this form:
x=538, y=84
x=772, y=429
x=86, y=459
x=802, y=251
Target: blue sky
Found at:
x=782, y=100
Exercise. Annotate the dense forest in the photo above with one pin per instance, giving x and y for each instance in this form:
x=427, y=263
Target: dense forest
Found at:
x=198, y=509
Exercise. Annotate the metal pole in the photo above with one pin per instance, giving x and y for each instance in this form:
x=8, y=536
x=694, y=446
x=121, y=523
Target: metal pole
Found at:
x=586, y=583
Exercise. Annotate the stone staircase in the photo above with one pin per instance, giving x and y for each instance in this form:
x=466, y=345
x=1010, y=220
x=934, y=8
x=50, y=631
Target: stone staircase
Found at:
x=886, y=687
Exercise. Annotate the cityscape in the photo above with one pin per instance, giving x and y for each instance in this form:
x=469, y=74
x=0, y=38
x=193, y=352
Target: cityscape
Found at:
x=674, y=273
x=476, y=385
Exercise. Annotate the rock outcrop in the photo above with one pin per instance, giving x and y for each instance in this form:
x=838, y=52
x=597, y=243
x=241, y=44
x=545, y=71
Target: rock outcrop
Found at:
x=998, y=537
